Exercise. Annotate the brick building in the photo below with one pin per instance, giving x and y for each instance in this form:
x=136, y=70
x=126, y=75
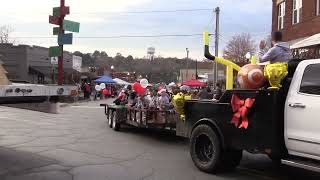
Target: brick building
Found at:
x=32, y=64
x=299, y=20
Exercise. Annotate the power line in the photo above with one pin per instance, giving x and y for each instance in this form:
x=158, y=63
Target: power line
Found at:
x=113, y=37
x=152, y=11
x=124, y=12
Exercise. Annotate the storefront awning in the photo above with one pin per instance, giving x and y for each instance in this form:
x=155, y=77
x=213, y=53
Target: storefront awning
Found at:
x=308, y=42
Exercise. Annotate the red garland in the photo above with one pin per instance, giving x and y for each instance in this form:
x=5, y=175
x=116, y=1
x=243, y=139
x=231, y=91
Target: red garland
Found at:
x=240, y=109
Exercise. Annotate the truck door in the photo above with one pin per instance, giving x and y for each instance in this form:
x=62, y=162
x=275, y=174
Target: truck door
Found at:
x=302, y=112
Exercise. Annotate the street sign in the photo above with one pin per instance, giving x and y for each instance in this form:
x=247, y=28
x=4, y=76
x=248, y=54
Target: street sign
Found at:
x=71, y=26
x=56, y=31
x=77, y=63
x=55, y=51
x=65, y=39
x=54, y=20
x=57, y=18
x=65, y=11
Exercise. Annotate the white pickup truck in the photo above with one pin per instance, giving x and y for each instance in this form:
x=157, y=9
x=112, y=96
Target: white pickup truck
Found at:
x=284, y=124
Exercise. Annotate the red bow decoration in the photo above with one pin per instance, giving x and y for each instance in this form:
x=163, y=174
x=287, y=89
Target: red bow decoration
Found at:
x=240, y=109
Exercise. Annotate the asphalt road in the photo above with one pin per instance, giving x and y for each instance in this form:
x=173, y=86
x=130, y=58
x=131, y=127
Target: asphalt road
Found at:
x=77, y=145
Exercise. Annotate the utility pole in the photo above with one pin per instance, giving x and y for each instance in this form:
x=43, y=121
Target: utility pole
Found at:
x=217, y=11
x=187, y=49
x=196, y=69
x=61, y=31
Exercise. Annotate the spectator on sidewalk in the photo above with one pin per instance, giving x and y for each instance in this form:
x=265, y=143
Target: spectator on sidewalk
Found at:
x=218, y=93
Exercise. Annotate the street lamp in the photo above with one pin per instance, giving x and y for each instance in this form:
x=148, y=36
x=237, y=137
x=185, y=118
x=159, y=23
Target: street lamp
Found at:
x=248, y=56
x=112, y=69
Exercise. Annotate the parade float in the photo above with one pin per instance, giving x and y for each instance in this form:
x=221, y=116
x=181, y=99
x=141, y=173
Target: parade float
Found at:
x=274, y=112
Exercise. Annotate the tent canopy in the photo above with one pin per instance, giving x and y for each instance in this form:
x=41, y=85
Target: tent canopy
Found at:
x=194, y=83
x=310, y=41
x=121, y=82
x=105, y=79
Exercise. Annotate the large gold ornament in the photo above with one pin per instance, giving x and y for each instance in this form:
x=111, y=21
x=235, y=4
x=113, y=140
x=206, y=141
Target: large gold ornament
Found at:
x=179, y=101
x=276, y=73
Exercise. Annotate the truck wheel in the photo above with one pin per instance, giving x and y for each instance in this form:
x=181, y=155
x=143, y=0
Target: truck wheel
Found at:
x=110, y=120
x=115, y=124
x=205, y=149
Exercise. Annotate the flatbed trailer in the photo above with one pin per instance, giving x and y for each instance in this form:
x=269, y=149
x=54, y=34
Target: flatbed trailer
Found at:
x=140, y=118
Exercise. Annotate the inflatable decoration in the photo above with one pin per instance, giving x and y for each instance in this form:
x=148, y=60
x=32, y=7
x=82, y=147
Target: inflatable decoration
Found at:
x=276, y=73
x=251, y=76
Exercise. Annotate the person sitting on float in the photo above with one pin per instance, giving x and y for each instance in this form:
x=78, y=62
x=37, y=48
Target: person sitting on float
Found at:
x=164, y=101
x=132, y=100
x=153, y=99
x=280, y=52
x=143, y=102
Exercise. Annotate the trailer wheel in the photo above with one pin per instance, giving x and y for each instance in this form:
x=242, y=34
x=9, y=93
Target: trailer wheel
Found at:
x=115, y=124
x=110, y=119
x=205, y=149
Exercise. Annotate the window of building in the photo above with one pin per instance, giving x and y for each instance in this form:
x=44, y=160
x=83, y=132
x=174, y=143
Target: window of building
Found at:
x=281, y=14
x=318, y=7
x=297, y=11
x=310, y=83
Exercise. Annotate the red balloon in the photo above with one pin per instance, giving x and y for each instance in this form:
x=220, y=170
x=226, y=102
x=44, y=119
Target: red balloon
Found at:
x=105, y=92
x=138, y=88
x=135, y=86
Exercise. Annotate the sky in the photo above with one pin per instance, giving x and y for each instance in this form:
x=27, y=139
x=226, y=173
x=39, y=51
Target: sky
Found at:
x=103, y=18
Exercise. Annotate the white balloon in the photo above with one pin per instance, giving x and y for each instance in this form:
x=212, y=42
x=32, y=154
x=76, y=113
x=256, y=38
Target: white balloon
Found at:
x=102, y=86
x=144, y=83
x=98, y=88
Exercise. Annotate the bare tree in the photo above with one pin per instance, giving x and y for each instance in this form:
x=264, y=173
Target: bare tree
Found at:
x=5, y=32
x=238, y=47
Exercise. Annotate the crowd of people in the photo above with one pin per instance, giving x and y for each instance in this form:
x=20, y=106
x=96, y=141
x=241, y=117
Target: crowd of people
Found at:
x=87, y=91
x=155, y=100
x=162, y=99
